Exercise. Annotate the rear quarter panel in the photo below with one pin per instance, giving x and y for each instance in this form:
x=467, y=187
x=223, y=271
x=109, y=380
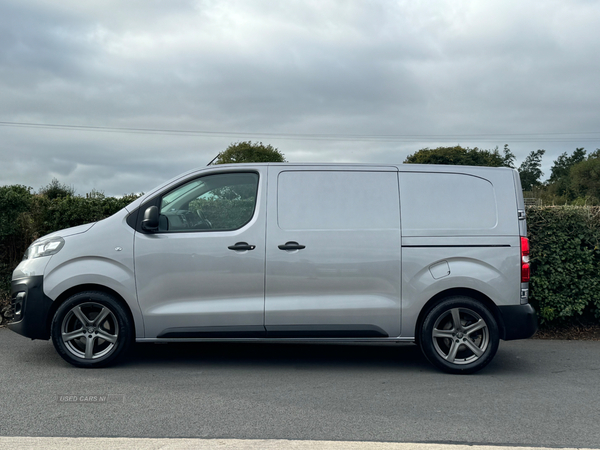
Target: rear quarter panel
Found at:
x=459, y=230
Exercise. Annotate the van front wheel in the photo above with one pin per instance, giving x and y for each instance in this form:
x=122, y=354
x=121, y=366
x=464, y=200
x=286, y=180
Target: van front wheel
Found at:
x=91, y=329
x=459, y=335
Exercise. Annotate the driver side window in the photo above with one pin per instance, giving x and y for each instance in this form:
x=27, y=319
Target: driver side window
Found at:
x=219, y=202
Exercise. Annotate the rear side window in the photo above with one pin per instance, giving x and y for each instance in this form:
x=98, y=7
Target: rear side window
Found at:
x=336, y=200
x=446, y=201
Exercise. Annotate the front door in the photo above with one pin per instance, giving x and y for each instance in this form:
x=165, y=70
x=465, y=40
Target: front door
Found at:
x=202, y=273
x=333, y=253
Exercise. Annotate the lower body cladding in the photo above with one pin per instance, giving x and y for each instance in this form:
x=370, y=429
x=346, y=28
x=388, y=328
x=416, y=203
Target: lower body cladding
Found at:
x=31, y=308
x=95, y=328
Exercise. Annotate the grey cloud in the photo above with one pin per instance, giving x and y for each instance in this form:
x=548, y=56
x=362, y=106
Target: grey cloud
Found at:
x=344, y=67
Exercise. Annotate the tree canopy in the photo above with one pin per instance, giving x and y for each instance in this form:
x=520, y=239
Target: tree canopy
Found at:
x=559, y=182
x=56, y=189
x=585, y=178
x=562, y=165
x=463, y=156
x=530, y=170
x=244, y=152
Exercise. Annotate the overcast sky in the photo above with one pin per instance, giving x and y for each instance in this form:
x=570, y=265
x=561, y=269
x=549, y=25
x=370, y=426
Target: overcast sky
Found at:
x=321, y=80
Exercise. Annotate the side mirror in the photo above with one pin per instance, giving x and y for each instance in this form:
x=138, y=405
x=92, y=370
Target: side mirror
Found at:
x=150, y=222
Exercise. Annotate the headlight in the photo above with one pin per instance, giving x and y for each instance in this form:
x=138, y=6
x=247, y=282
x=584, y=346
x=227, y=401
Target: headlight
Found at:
x=44, y=248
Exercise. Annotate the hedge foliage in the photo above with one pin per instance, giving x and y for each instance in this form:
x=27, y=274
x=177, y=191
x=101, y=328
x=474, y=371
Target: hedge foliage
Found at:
x=26, y=216
x=565, y=263
x=565, y=246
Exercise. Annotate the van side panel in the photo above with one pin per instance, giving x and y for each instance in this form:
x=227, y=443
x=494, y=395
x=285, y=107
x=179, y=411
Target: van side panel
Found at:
x=102, y=256
x=458, y=204
x=473, y=263
x=345, y=280
x=459, y=230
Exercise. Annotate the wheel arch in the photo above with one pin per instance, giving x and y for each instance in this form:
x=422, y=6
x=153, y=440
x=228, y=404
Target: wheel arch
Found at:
x=466, y=292
x=89, y=287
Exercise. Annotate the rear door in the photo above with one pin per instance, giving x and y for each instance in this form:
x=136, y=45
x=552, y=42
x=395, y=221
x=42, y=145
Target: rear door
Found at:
x=333, y=252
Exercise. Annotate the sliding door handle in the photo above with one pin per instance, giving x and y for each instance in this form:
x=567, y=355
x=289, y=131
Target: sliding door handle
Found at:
x=291, y=245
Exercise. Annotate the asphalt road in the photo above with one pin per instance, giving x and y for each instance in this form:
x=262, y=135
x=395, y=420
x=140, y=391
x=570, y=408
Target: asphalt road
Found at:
x=534, y=393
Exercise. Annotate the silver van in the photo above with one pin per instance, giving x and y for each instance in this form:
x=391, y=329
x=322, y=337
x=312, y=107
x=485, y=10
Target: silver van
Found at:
x=434, y=255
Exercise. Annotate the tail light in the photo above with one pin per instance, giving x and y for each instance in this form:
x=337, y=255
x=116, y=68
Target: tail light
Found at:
x=524, y=260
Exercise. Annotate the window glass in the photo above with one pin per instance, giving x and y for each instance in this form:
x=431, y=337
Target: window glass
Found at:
x=217, y=202
x=336, y=200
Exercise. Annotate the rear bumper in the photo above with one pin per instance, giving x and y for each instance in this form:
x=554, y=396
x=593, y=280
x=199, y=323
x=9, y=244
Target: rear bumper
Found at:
x=30, y=308
x=519, y=322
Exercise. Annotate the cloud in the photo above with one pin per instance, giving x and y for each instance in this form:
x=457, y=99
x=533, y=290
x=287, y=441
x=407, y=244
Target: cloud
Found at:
x=480, y=71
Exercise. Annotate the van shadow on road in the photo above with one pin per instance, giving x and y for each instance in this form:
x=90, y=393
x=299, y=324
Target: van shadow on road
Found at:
x=406, y=358
x=299, y=356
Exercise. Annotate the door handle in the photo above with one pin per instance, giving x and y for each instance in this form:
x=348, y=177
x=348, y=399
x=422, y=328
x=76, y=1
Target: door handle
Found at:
x=240, y=246
x=291, y=245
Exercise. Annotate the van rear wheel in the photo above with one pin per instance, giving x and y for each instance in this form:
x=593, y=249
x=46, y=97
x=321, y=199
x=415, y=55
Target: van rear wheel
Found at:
x=91, y=329
x=459, y=335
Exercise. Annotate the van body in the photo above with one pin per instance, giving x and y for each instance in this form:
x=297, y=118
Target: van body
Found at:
x=435, y=255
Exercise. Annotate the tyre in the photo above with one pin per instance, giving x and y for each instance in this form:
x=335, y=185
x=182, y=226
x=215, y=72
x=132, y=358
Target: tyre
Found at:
x=91, y=329
x=459, y=335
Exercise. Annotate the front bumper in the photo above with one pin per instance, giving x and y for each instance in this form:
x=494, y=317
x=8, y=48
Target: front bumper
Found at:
x=31, y=308
x=520, y=321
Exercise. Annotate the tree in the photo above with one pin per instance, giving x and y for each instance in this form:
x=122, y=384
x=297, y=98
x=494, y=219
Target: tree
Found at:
x=463, y=156
x=595, y=154
x=530, y=170
x=508, y=160
x=559, y=183
x=14, y=200
x=585, y=177
x=243, y=152
x=56, y=189
x=562, y=165
x=15, y=203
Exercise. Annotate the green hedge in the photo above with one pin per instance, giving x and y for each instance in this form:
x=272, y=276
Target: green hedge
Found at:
x=565, y=263
x=26, y=216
